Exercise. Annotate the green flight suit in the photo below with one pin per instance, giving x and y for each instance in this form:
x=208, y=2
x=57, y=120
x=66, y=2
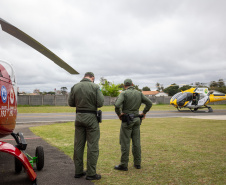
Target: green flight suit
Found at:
x=129, y=102
x=86, y=96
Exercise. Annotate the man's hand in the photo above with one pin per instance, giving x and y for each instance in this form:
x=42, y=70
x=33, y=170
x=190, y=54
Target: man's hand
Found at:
x=142, y=114
x=120, y=116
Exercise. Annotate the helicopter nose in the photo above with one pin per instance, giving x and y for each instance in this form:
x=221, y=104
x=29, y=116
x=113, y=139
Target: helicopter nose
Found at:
x=174, y=103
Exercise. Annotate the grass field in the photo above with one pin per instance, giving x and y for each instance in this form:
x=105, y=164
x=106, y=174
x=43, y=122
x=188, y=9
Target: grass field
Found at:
x=57, y=109
x=174, y=151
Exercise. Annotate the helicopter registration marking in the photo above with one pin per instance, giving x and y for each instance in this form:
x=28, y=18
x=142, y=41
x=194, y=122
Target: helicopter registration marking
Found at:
x=10, y=112
x=3, y=113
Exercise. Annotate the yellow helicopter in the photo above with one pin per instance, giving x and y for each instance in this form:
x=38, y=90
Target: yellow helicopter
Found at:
x=196, y=98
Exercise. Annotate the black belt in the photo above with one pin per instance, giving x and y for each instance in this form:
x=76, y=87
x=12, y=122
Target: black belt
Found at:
x=86, y=111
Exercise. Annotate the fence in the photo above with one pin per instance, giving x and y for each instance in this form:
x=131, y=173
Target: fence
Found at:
x=54, y=100
x=62, y=100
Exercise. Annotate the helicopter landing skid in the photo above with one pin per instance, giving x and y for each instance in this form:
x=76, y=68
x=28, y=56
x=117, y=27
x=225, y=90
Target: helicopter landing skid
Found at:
x=193, y=110
x=178, y=109
x=209, y=109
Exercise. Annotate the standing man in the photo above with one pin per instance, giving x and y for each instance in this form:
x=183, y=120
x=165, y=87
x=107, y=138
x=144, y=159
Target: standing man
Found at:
x=127, y=108
x=86, y=97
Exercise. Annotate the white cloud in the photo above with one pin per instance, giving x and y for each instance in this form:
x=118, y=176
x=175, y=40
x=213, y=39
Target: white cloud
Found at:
x=149, y=41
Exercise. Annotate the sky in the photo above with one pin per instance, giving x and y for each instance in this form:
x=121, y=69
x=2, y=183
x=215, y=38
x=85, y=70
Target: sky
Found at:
x=148, y=41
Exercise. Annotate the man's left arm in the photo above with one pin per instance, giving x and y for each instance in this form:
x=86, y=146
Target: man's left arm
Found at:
x=100, y=98
x=148, y=104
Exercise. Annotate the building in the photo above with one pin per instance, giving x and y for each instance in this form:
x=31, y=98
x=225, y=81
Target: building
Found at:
x=154, y=93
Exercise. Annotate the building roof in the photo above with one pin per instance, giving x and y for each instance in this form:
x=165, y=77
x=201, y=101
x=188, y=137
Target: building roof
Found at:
x=150, y=92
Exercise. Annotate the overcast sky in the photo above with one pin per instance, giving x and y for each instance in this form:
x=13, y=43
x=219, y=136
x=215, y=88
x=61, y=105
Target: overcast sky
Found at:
x=149, y=41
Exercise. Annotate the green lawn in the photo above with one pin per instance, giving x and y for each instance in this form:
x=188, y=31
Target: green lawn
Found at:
x=56, y=109
x=174, y=151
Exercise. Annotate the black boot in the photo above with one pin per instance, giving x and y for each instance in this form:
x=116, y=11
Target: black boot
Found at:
x=120, y=167
x=80, y=175
x=137, y=166
x=94, y=177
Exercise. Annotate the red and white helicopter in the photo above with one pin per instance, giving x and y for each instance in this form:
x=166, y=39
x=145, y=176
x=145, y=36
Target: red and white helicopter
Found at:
x=8, y=105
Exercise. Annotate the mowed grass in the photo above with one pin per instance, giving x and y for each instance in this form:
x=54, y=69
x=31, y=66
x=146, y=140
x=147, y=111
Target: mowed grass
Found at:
x=58, y=109
x=174, y=151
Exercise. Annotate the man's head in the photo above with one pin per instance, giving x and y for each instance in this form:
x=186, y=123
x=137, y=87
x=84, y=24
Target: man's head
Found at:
x=128, y=82
x=90, y=76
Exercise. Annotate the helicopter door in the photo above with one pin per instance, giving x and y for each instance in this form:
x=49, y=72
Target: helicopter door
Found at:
x=195, y=98
x=183, y=98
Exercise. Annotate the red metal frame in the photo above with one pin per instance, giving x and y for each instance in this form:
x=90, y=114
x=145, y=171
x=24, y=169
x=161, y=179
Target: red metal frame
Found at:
x=10, y=149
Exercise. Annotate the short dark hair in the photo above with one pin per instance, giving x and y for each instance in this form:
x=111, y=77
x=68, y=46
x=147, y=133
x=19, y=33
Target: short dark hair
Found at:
x=89, y=74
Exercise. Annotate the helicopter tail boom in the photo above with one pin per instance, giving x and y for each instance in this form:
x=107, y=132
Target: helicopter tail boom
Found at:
x=216, y=97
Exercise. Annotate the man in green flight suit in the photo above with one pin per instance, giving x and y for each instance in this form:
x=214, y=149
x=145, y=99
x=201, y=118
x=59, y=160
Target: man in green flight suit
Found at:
x=127, y=108
x=86, y=97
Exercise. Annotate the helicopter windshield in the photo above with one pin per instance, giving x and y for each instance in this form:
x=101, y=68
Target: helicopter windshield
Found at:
x=176, y=96
x=9, y=70
x=183, y=98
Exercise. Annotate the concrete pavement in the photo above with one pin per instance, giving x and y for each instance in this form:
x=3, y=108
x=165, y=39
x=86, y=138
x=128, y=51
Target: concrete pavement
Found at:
x=58, y=167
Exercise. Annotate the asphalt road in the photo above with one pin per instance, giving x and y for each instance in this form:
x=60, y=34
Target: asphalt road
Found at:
x=66, y=117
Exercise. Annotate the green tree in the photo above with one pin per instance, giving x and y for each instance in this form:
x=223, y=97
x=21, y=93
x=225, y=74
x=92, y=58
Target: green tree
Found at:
x=64, y=90
x=146, y=88
x=218, y=86
x=172, y=89
x=110, y=89
x=159, y=87
x=184, y=88
x=221, y=83
x=103, y=80
x=50, y=92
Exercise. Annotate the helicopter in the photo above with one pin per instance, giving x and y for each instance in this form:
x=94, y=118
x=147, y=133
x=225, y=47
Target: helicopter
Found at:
x=196, y=98
x=8, y=105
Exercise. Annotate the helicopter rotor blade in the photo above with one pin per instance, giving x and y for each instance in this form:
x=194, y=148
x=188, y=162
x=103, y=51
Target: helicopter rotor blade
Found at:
x=12, y=30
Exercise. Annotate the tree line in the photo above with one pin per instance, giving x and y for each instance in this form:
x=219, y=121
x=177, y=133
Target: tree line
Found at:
x=216, y=86
x=113, y=90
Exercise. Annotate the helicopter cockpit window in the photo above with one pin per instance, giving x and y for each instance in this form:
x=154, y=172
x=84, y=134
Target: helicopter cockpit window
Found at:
x=176, y=96
x=201, y=96
x=189, y=96
x=183, y=98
